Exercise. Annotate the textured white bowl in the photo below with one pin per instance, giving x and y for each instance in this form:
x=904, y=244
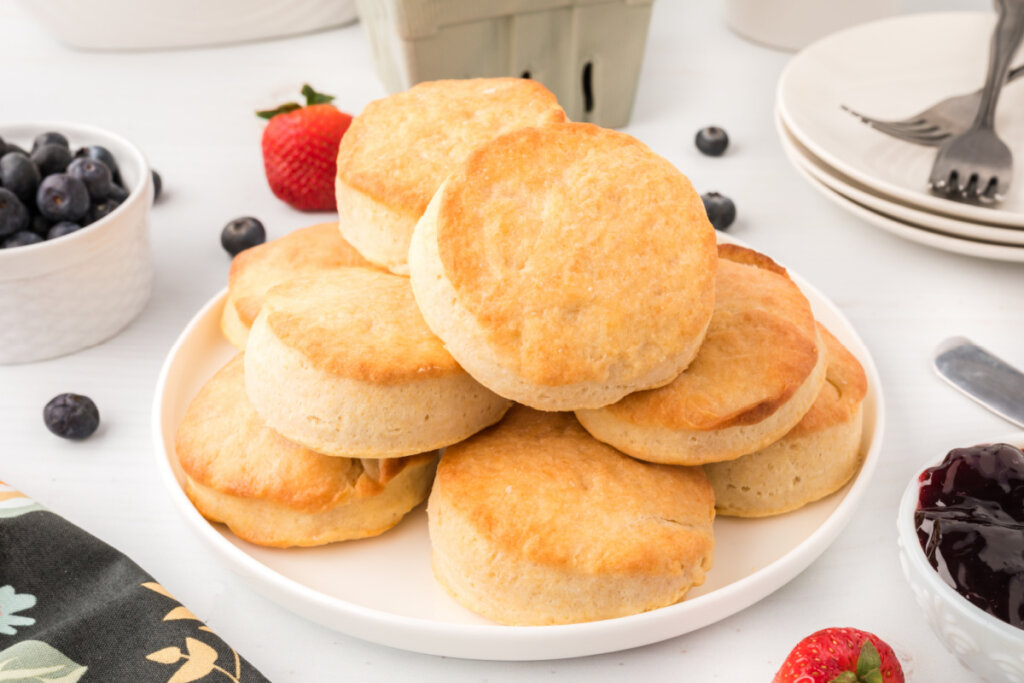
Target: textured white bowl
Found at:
x=63, y=295
x=984, y=644
x=155, y=24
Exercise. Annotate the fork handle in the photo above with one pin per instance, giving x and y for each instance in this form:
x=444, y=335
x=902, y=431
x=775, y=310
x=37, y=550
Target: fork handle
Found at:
x=1005, y=40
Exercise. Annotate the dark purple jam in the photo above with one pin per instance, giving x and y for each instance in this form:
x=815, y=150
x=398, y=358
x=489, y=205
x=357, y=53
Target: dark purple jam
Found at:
x=970, y=521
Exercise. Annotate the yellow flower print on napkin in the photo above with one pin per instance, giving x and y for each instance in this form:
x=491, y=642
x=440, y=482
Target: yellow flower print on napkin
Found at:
x=200, y=660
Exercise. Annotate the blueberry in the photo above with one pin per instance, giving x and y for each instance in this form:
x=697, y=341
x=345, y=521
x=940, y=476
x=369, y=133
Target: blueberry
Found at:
x=71, y=416
x=19, y=175
x=158, y=185
x=51, y=158
x=62, y=198
x=720, y=209
x=242, y=233
x=102, y=154
x=712, y=141
x=61, y=229
x=22, y=238
x=11, y=147
x=40, y=225
x=50, y=138
x=13, y=214
x=101, y=209
x=117, y=193
x=94, y=174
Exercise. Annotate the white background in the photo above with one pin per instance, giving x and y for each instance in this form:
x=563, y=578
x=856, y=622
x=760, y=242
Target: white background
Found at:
x=192, y=113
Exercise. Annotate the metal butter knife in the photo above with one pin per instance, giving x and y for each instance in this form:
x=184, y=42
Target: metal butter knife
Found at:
x=982, y=376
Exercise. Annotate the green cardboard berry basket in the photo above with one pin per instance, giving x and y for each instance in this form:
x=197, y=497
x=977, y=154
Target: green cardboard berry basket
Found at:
x=588, y=52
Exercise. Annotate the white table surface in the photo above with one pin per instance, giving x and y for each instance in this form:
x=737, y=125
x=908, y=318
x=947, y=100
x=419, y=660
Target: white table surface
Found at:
x=192, y=113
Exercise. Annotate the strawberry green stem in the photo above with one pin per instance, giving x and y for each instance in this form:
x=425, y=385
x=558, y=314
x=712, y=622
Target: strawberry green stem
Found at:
x=312, y=97
x=869, y=667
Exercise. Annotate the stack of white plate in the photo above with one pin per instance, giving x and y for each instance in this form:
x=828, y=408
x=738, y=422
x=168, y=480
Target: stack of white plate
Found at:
x=892, y=69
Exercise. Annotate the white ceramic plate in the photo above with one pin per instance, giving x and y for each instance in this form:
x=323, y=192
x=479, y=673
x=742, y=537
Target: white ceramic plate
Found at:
x=381, y=589
x=891, y=69
x=909, y=231
x=851, y=189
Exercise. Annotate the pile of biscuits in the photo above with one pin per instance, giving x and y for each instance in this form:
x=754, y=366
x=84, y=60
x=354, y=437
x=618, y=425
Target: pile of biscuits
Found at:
x=528, y=320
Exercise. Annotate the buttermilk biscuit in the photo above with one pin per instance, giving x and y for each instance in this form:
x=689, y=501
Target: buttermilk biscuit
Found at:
x=273, y=492
x=255, y=270
x=342, y=363
x=535, y=522
x=814, y=459
x=758, y=372
x=399, y=149
x=566, y=266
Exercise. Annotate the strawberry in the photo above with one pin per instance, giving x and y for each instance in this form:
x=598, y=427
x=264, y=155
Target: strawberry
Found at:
x=841, y=655
x=300, y=150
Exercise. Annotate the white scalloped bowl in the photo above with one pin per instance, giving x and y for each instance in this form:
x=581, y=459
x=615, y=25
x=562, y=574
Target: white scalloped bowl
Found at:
x=66, y=294
x=990, y=647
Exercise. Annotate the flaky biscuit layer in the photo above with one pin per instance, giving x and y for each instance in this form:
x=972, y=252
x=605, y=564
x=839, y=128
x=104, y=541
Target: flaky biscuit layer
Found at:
x=814, y=459
x=399, y=150
x=256, y=270
x=343, y=363
x=759, y=370
x=272, y=491
x=566, y=266
x=535, y=522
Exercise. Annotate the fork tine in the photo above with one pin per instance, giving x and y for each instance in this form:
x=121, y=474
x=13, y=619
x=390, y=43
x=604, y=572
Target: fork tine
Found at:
x=917, y=125
x=942, y=179
x=970, y=188
x=909, y=122
x=928, y=137
x=863, y=117
x=957, y=183
x=931, y=138
x=991, y=189
x=916, y=129
x=920, y=128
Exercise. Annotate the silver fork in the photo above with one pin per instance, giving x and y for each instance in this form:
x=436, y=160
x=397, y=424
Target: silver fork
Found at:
x=937, y=123
x=976, y=164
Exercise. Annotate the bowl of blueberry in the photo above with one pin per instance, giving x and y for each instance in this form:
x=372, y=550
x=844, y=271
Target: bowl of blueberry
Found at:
x=75, y=260
x=961, y=539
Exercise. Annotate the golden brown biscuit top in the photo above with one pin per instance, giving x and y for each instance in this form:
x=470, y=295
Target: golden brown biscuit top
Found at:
x=841, y=395
x=223, y=444
x=401, y=148
x=578, y=250
x=303, y=251
x=359, y=324
x=760, y=347
x=538, y=485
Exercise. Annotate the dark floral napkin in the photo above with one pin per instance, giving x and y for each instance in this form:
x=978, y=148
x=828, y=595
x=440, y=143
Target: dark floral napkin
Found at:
x=74, y=609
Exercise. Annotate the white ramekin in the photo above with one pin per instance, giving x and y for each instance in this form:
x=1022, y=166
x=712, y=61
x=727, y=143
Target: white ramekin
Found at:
x=988, y=646
x=794, y=24
x=62, y=295
x=142, y=25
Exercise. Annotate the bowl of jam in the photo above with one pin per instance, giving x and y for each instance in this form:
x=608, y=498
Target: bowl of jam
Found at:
x=961, y=538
